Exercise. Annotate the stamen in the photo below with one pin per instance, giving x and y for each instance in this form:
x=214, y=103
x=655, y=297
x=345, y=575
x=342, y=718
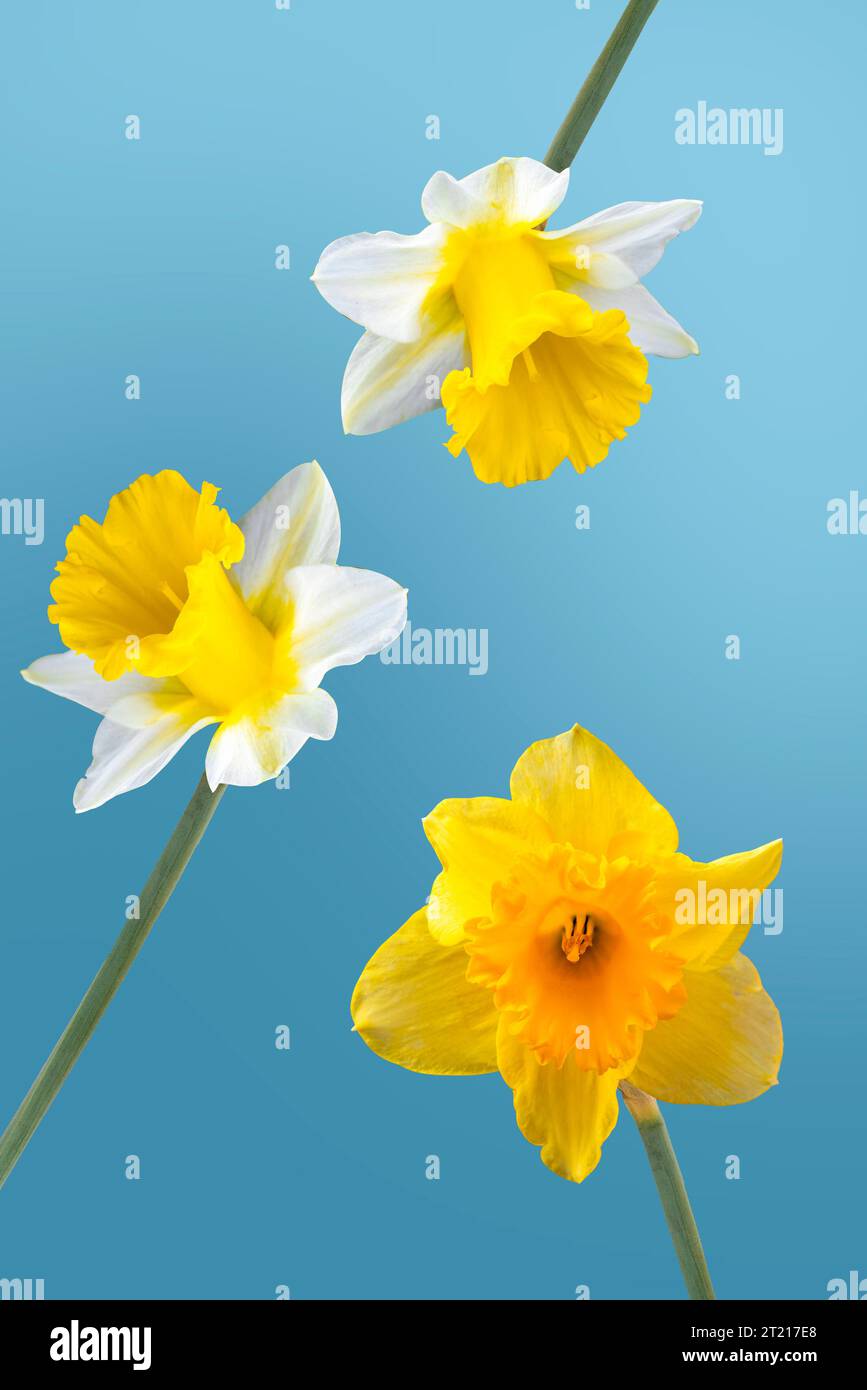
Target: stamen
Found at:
x=577, y=938
x=166, y=588
x=532, y=369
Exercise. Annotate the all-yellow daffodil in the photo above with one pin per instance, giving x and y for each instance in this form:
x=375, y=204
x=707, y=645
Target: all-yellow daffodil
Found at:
x=563, y=945
x=533, y=340
x=176, y=618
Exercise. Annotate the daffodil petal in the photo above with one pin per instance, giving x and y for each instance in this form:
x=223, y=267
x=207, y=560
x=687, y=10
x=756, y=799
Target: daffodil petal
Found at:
x=581, y=388
x=255, y=748
x=126, y=758
x=338, y=616
x=574, y=263
x=637, y=233
x=295, y=523
x=413, y=1006
x=75, y=678
x=713, y=905
x=382, y=279
x=386, y=382
x=587, y=795
x=126, y=577
x=476, y=840
x=651, y=328
x=566, y=1111
x=143, y=708
x=509, y=191
x=723, y=1046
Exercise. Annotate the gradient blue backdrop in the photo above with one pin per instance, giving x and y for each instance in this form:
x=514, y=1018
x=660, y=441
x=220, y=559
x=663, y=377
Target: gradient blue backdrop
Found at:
x=262, y=127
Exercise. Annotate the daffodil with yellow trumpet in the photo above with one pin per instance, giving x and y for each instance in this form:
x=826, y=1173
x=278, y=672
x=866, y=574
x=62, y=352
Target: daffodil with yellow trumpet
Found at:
x=175, y=619
x=532, y=339
x=566, y=944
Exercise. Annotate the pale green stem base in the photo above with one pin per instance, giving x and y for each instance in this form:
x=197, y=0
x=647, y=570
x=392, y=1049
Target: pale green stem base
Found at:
x=69, y=1047
x=601, y=78
x=672, y=1193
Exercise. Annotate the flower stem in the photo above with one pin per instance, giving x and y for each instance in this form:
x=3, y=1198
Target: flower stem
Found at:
x=672, y=1193
x=72, y=1042
x=601, y=78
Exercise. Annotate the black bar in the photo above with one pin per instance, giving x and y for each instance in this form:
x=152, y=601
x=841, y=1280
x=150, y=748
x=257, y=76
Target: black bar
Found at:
x=224, y=1337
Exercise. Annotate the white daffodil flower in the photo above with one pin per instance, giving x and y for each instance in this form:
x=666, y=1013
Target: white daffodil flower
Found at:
x=176, y=618
x=533, y=340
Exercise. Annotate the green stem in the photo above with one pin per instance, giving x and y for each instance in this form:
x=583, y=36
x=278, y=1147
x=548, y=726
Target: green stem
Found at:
x=672, y=1193
x=601, y=78
x=72, y=1042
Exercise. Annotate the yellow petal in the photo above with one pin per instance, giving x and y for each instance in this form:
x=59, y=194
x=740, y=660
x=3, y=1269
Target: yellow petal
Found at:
x=588, y=796
x=722, y=1047
x=127, y=577
x=713, y=905
x=502, y=286
x=224, y=655
x=413, y=1006
x=563, y=382
x=568, y=1112
x=476, y=841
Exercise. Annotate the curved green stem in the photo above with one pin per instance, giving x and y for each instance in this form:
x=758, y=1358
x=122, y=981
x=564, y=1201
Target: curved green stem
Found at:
x=601, y=78
x=69, y=1047
x=672, y=1192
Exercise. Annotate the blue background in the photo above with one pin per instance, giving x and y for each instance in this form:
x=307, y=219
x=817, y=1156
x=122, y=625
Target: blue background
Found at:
x=260, y=127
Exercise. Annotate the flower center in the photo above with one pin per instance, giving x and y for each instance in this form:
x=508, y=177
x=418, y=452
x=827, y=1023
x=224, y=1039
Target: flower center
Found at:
x=577, y=936
x=550, y=378
x=495, y=287
x=233, y=658
x=575, y=954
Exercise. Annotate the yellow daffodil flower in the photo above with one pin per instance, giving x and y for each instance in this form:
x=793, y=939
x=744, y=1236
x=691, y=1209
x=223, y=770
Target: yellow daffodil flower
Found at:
x=176, y=618
x=569, y=945
x=533, y=340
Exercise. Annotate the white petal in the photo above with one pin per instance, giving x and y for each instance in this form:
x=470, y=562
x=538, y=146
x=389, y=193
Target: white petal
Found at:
x=144, y=708
x=574, y=262
x=651, y=328
x=124, y=758
x=637, y=232
x=386, y=383
x=512, y=190
x=382, y=279
x=249, y=751
x=73, y=676
x=295, y=523
x=339, y=616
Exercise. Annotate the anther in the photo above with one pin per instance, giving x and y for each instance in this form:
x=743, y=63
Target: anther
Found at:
x=577, y=940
